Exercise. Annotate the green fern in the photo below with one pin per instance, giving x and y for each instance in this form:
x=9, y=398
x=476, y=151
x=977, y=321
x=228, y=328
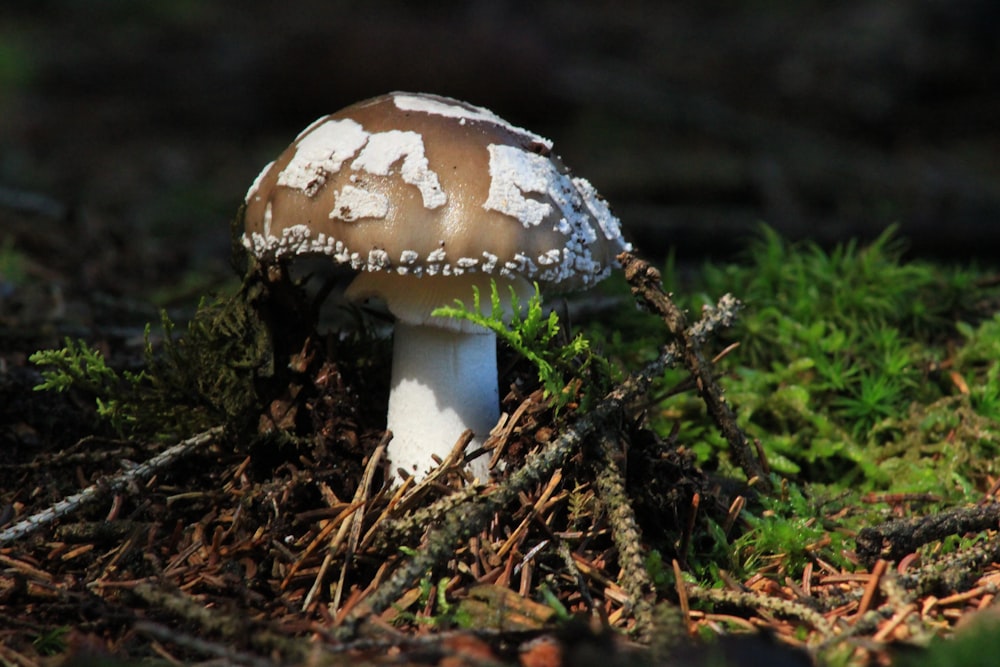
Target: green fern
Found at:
x=534, y=335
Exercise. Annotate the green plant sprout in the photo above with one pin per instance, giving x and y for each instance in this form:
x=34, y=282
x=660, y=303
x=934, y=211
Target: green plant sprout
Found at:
x=787, y=531
x=79, y=366
x=446, y=614
x=535, y=336
x=52, y=642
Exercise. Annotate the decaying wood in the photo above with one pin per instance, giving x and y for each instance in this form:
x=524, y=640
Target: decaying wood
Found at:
x=894, y=539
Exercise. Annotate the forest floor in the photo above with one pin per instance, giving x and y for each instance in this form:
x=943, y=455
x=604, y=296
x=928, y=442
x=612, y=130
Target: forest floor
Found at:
x=868, y=374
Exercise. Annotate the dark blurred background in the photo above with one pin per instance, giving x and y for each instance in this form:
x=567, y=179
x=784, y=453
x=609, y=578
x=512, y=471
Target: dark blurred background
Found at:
x=130, y=130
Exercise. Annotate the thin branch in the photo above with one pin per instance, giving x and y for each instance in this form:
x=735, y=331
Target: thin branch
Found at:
x=626, y=533
x=953, y=571
x=107, y=486
x=894, y=539
x=648, y=288
x=789, y=608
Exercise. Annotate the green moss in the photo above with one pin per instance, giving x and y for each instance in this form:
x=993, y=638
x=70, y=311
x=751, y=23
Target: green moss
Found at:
x=976, y=646
x=858, y=371
x=840, y=362
x=788, y=531
x=187, y=384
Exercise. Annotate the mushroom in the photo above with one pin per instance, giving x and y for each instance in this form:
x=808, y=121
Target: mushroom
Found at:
x=427, y=197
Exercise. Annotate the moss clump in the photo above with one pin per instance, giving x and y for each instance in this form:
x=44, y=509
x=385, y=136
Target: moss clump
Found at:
x=841, y=351
x=186, y=384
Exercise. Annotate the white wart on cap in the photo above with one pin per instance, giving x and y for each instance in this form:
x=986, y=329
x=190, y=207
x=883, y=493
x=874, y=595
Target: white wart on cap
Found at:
x=427, y=196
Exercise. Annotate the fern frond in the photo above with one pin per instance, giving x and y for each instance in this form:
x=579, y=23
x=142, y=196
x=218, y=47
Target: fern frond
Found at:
x=533, y=334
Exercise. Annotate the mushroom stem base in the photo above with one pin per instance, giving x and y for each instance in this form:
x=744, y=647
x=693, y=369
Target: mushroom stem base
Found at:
x=443, y=382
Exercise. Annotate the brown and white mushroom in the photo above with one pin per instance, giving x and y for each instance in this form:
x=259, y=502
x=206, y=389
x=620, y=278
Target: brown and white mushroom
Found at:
x=427, y=197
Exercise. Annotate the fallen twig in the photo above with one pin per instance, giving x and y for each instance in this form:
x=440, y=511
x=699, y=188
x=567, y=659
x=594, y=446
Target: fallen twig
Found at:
x=648, y=288
x=106, y=486
x=770, y=603
x=950, y=572
x=894, y=539
x=626, y=533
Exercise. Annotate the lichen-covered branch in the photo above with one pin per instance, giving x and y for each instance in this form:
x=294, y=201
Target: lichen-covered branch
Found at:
x=107, y=486
x=789, y=608
x=405, y=529
x=626, y=533
x=647, y=287
x=894, y=539
x=951, y=572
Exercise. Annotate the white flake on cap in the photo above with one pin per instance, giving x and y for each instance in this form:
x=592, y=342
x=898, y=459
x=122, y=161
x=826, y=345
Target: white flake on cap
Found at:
x=299, y=240
x=513, y=172
x=378, y=259
x=353, y=203
x=553, y=266
x=320, y=153
x=549, y=257
x=598, y=208
x=517, y=174
x=309, y=128
x=257, y=181
x=291, y=241
x=466, y=112
x=384, y=149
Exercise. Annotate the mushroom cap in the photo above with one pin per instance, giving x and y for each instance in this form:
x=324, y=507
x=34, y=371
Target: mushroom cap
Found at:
x=415, y=185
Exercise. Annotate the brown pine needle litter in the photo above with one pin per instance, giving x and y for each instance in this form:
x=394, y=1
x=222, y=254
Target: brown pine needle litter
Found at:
x=197, y=555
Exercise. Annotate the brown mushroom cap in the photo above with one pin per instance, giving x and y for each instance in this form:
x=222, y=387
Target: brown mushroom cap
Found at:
x=422, y=185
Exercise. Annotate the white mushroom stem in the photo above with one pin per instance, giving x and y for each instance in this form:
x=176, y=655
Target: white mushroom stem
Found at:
x=443, y=382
